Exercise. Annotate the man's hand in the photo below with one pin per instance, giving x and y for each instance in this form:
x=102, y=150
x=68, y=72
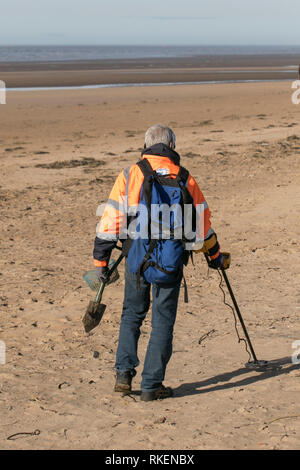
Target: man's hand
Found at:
x=222, y=261
x=101, y=272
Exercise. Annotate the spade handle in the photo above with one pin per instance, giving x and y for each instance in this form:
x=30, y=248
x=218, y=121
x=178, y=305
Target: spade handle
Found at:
x=98, y=297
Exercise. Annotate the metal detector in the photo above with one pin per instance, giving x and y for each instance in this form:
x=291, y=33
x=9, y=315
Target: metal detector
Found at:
x=255, y=364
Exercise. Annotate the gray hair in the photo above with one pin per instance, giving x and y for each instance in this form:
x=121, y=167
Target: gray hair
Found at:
x=159, y=134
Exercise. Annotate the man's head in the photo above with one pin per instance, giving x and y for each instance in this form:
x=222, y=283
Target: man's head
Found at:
x=159, y=134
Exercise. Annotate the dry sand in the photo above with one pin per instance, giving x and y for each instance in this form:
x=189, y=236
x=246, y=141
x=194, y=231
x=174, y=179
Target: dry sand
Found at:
x=242, y=143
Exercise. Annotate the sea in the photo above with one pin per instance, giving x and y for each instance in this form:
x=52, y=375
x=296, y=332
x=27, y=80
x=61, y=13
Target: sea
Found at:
x=76, y=53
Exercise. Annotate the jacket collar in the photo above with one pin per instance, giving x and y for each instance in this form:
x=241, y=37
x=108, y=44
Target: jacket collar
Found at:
x=163, y=151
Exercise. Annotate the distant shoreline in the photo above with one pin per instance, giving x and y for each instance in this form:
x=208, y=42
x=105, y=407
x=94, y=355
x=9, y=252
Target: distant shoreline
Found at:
x=124, y=85
x=200, y=61
x=219, y=68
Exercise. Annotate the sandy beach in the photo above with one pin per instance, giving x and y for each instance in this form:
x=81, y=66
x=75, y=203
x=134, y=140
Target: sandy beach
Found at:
x=60, y=153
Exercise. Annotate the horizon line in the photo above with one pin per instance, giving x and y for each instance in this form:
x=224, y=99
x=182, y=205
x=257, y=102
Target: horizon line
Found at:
x=163, y=45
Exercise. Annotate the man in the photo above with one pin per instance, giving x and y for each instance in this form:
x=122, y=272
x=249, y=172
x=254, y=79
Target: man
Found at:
x=159, y=152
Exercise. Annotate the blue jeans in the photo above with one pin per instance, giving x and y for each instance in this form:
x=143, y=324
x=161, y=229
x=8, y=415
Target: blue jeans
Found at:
x=135, y=307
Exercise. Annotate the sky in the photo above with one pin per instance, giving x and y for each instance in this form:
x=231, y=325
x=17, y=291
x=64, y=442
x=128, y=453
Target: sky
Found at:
x=151, y=22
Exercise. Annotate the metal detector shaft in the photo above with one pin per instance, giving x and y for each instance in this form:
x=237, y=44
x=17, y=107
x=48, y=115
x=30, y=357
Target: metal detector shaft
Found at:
x=239, y=314
x=236, y=309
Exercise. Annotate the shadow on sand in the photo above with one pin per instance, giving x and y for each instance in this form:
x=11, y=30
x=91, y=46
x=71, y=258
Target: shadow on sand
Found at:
x=213, y=384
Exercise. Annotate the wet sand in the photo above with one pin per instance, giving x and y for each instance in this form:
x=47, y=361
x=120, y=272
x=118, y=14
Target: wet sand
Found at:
x=194, y=69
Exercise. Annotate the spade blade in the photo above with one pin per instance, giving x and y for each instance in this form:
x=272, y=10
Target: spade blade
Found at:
x=93, y=315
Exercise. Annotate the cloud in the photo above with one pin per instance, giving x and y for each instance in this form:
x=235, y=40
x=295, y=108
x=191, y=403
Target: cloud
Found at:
x=183, y=18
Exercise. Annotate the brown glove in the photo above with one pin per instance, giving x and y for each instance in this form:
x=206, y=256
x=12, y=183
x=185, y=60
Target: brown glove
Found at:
x=222, y=261
x=226, y=260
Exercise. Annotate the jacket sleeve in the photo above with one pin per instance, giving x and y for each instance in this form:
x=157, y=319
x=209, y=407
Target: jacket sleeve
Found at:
x=206, y=238
x=111, y=222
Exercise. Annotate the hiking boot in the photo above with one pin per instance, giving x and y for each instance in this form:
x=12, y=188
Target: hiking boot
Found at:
x=123, y=382
x=160, y=394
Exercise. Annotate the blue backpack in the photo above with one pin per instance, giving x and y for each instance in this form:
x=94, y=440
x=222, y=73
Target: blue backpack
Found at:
x=158, y=250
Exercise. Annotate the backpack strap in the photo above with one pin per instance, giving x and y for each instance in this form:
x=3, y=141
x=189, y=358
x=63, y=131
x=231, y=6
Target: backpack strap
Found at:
x=148, y=173
x=182, y=179
x=186, y=295
x=145, y=167
x=183, y=175
x=142, y=266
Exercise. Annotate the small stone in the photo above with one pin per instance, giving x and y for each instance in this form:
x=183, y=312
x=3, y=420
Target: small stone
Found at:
x=96, y=354
x=63, y=385
x=160, y=420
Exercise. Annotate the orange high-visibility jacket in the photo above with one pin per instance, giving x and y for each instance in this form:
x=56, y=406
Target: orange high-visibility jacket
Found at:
x=125, y=195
